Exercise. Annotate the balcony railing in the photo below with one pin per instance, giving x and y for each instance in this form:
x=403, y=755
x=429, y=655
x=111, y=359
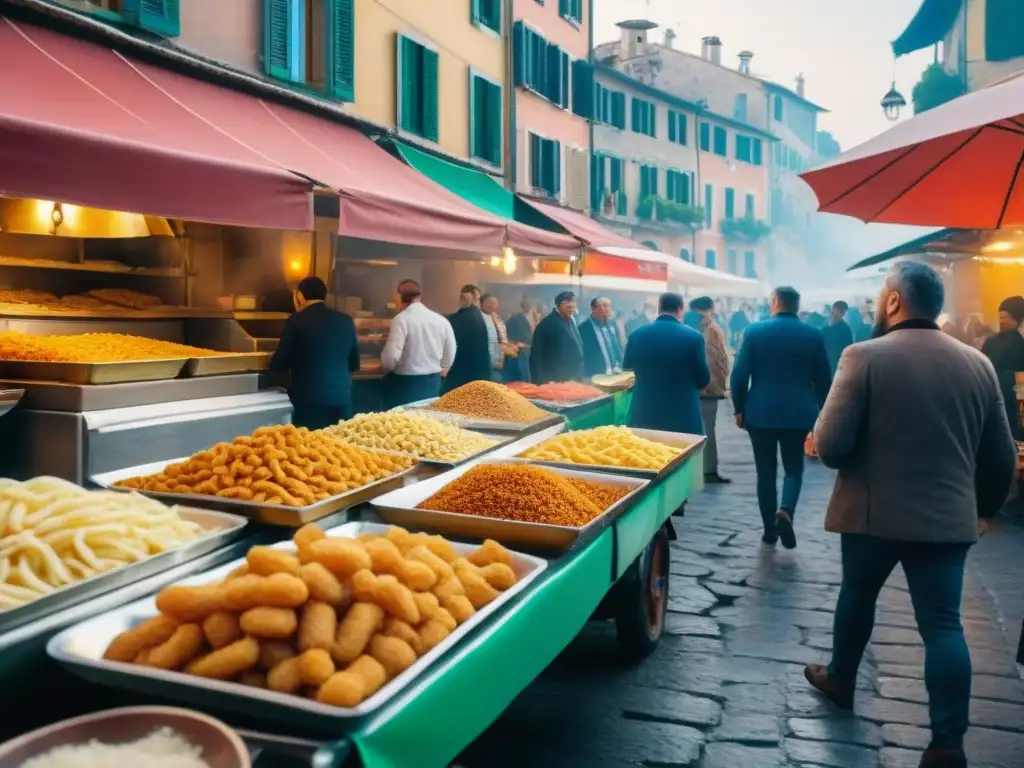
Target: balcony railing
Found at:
x=746, y=230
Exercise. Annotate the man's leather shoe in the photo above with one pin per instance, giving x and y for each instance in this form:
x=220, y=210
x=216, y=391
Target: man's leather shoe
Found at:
x=817, y=675
x=943, y=758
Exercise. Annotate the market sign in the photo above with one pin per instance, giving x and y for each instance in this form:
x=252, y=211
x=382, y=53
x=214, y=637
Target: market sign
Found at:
x=548, y=267
x=601, y=264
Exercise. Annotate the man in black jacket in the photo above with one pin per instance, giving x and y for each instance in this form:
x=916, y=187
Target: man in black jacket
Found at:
x=472, y=347
x=557, y=353
x=318, y=347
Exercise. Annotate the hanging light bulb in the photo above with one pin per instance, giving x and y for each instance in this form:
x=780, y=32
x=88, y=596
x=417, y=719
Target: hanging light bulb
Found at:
x=496, y=261
x=892, y=103
x=508, y=260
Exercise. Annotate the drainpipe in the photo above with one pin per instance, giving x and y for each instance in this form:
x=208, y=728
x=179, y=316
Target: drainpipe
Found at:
x=593, y=108
x=510, y=99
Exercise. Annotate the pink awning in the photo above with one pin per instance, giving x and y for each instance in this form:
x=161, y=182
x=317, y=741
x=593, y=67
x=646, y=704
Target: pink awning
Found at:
x=79, y=125
x=585, y=228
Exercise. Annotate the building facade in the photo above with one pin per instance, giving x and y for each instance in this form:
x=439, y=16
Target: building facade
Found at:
x=551, y=48
x=438, y=80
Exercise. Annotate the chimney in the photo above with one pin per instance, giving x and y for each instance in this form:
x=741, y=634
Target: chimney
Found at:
x=670, y=37
x=711, y=49
x=800, y=84
x=633, y=38
x=745, y=57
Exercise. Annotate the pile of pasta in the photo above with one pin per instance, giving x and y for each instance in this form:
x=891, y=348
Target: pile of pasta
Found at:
x=604, y=446
x=334, y=620
x=54, y=534
x=93, y=348
x=411, y=432
x=285, y=465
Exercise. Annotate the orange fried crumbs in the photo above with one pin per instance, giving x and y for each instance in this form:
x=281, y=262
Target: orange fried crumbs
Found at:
x=488, y=400
x=93, y=348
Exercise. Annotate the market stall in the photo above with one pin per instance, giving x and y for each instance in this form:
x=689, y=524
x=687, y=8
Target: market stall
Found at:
x=612, y=563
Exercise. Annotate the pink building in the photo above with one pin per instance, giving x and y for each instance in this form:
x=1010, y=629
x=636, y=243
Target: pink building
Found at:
x=552, y=99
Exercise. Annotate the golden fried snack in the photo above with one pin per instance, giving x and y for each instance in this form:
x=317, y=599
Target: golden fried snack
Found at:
x=397, y=535
x=449, y=587
x=285, y=677
x=372, y=671
x=143, y=658
x=273, y=652
x=488, y=400
x=342, y=557
x=607, y=447
x=178, y=650
x=427, y=604
x=393, y=653
x=459, y=607
x=355, y=630
x=282, y=590
x=443, y=617
x=342, y=689
x=385, y=557
x=317, y=628
x=315, y=667
x=325, y=587
x=417, y=576
x=221, y=628
x=254, y=679
x=266, y=561
x=149, y=634
x=307, y=534
x=191, y=603
x=403, y=631
x=498, y=575
x=125, y=297
x=431, y=633
x=441, y=547
x=479, y=592
x=490, y=552
x=242, y=570
x=269, y=623
x=387, y=592
x=227, y=662
x=424, y=555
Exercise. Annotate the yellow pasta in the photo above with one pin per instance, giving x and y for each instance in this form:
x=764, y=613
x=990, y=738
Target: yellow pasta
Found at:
x=604, y=446
x=411, y=433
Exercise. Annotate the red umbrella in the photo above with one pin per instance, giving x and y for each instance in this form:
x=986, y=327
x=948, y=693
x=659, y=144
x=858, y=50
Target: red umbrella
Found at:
x=957, y=165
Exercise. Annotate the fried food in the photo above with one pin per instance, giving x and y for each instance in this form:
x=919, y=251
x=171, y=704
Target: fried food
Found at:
x=488, y=400
x=286, y=677
x=393, y=653
x=360, y=680
x=273, y=652
x=412, y=433
x=342, y=557
x=423, y=554
x=315, y=667
x=178, y=650
x=192, y=603
x=355, y=630
x=227, y=662
x=478, y=591
x=459, y=607
x=431, y=634
x=92, y=347
x=427, y=604
x=498, y=575
x=253, y=679
x=124, y=297
x=26, y=296
x=607, y=447
x=525, y=493
x=221, y=628
x=387, y=592
x=282, y=590
x=269, y=623
x=307, y=534
x=284, y=465
x=148, y=634
x=317, y=627
x=401, y=630
x=325, y=587
x=449, y=587
x=266, y=561
x=490, y=552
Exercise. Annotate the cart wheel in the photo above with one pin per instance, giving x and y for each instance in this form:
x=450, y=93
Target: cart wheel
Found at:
x=640, y=618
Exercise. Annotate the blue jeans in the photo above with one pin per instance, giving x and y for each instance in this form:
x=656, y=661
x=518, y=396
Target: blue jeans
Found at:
x=767, y=445
x=935, y=576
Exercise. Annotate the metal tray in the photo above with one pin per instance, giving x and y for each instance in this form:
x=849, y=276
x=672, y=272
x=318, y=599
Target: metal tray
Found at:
x=572, y=405
x=400, y=508
x=270, y=514
x=220, y=365
x=9, y=398
x=222, y=527
x=477, y=424
x=502, y=440
x=92, y=373
x=81, y=648
x=691, y=444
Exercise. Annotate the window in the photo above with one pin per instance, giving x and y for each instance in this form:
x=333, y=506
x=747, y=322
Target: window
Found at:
x=739, y=107
x=161, y=17
x=705, y=137
x=487, y=13
x=678, y=187
x=618, y=110
x=756, y=154
x=609, y=106
x=677, y=127
x=648, y=182
x=540, y=66
x=618, y=168
x=743, y=151
x=485, y=119
x=417, y=88
x=545, y=165
x=309, y=42
x=778, y=108
x=584, y=92
x=684, y=254
x=732, y=262
x=730, y=203
x=710, y=259
x=749, y=264
x=571, y=10
x=650, y=244
x=643, y=117
x=1004, y=30
x=749, y=207
x=709, y=199
x=721, y=141
x=598, y=181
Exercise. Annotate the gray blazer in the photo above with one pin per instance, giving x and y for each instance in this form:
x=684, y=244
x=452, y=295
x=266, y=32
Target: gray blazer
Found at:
x=916, y=426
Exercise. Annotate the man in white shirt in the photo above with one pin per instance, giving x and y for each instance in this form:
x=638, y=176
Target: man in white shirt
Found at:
x=419, y=351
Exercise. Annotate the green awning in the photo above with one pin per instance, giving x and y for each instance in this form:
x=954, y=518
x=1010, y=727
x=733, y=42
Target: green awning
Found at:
x=475, y=186
x=930, y=24
x=928, y=242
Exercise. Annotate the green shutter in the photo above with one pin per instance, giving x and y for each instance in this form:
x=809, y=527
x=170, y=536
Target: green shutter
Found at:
x=705, y=137
x=520, y=54
x=495, y=145
x=709, y=199
x=536, y=161
x=407, y=71
x=757, y=152
x=749, y=208
x=682, y=129
x=341, y=53
x=556, y=168
x=564, y=103
x=671, y=125
x=597, y=182
x=474, y=11
x=563, y=8
x=277, y=42
x=583, y=89
x=730, y=203
x=430, y=94
x=161, y=17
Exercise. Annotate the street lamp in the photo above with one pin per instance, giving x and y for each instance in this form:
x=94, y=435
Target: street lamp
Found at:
x=892, y=103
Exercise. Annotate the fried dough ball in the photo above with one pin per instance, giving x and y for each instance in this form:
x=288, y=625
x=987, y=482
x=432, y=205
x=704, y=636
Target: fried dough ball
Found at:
x=360, y=680
x=315, y=667
x=148, y=634
x=227, y=662
x=459, y=607
x=403, y=631
x=417, y=576
x=281, y=590
x=342, y=557
x=178, y=650
x=432, y=633
x=307, y=534
x=449, y=587
x=427, y=604
x=266, y=561
x=479, y=592
x=387, y=592
x=191, y=603
x=355, y=630
x=385, y=557
x=285, y=677
x=423, y=554
x=443, y=617
x=253, y=679
x=325, y=587
x=242, y=570
x=317, y=628
x=221, y=628
x=269, y=623
x=394, y=654
x=273, y=652
x=490, y=552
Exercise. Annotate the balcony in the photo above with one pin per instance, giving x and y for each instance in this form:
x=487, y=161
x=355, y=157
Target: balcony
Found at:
x=658, y=209
x=746, y=230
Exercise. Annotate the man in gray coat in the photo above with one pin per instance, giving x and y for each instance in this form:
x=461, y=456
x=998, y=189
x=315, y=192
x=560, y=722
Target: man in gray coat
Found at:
x=916, y=426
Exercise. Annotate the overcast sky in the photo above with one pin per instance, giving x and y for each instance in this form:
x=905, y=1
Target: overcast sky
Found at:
x=841, y=46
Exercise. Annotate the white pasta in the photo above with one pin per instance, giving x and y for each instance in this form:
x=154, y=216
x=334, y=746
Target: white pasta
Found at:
x=163, y=748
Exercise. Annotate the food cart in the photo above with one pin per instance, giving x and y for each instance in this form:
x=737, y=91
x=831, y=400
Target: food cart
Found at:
x=616, y=567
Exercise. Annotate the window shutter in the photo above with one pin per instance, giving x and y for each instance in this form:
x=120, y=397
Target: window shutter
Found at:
x=161, y=17
x=277, y=42
x=564, y=102
x=556, y=169
x=682, y=129
x=553, y=80
x=341, y=54
x=652, y=111
x=474, y=11
x=709, y=199
x=477, y=102
x=634, y=114
x=757, y=152
x=577, y=192
x=563, y=8
x=671, y=125
x=705, y=137
x=730, y=203
x=583, y=89
x=405, y=90
x=520, y=54
x=536, y=161
x=494, y=124
x=429, y=84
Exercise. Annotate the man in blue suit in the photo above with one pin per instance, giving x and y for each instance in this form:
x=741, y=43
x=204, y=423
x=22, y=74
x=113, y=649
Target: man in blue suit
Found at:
x=671, y=369
x=779, y=383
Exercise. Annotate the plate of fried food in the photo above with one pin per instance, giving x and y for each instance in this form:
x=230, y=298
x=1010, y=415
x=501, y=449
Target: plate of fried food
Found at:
x=308, y=632
x=281, y=475
x=61, y=544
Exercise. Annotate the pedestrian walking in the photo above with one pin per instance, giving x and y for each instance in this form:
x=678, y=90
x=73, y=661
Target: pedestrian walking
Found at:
x=779, y=382
x=838, y=334
x=557, y=353
x=713, y=393
x=738, y=323
x=1005, y=351
x=671, y=369
x=918, y=462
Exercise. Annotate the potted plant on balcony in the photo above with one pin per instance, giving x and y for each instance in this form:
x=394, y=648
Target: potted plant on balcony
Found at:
x=747, y=229
x=689, y=216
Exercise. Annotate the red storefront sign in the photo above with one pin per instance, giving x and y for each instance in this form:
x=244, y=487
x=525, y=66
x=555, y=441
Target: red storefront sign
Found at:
x=601, y=264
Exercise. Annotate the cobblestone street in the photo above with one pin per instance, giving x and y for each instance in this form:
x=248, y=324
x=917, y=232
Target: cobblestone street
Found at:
x=725, y=688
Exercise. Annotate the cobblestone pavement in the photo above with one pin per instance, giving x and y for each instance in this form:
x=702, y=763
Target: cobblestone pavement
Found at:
x=725, y=687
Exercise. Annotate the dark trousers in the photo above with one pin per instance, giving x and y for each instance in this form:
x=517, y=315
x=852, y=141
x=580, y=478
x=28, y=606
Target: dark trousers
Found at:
x=396, y=389
x=313, y=416
x=935, y=576
x=767, y=445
